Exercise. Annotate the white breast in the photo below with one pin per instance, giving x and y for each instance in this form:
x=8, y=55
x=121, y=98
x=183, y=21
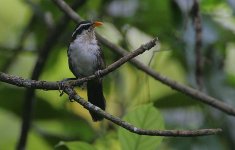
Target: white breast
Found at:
x=83, y=54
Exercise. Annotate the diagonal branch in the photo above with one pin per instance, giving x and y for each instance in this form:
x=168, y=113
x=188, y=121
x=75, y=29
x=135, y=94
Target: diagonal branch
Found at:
x=67, y=87
x=172, y=133
x=197, y=95
x=34, y=84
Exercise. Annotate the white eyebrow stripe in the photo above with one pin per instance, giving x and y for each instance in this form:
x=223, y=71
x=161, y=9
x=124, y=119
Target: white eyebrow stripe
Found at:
x=81, y=25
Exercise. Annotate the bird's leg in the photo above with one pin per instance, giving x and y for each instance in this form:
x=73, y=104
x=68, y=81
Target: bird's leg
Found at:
x=98, y=73
x=83, y=85
x=62, y=84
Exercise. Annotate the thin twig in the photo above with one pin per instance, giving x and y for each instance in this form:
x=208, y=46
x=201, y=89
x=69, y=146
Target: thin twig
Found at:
x=198, y=44
x=67, y=10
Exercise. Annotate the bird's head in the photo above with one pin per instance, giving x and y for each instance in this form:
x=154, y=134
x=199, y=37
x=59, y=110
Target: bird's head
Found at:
x=85, y=29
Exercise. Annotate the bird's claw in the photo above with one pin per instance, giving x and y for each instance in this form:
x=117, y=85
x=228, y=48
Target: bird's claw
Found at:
x=83, y=85
x=98, y=73
x=62, y=85
x=60, y=88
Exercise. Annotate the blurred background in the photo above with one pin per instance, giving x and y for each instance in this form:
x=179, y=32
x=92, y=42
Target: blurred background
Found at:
x=28, y=27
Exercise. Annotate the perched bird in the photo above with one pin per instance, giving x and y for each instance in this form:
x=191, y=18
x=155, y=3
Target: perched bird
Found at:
x=85, y=58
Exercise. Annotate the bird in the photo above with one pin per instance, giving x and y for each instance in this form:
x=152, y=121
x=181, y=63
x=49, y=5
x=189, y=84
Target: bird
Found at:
x=85, y=58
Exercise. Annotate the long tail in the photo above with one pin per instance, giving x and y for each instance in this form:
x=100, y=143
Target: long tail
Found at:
x=96, y=97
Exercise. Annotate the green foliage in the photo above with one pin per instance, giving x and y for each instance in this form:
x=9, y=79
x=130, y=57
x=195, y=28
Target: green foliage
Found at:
x=129, y=92
x=145, y=117
x=107, y=141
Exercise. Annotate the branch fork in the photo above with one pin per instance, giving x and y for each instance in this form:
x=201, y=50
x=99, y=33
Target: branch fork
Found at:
x=67, y=87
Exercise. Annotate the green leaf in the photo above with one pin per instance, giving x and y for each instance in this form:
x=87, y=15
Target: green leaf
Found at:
x=76, y=145
x=146, y=117
x=110, y=139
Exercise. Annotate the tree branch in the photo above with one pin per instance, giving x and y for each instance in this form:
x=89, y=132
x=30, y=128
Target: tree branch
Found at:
x=174, y=133
x=67, y=87
x=34, y=84
x=198, y=43
x=72, y=94
x=197, y=95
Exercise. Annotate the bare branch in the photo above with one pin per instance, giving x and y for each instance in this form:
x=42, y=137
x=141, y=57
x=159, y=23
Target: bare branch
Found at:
x=67, y=87
x=46, y=85
x=198, y=43
x=72, y=94
x=27, y=83
x=197, y=95
x=174, y=133
x=67, y=10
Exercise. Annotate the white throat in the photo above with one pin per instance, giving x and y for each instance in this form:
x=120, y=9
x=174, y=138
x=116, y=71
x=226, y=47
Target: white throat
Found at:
x=83, y=52
x=86, y=37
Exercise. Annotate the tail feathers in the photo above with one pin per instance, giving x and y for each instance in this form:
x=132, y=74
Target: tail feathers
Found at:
x=96, y=97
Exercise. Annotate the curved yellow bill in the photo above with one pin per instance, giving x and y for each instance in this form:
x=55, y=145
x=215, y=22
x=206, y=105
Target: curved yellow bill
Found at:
x=97, y=23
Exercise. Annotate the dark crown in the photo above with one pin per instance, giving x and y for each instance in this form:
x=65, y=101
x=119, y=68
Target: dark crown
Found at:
x=83, y=25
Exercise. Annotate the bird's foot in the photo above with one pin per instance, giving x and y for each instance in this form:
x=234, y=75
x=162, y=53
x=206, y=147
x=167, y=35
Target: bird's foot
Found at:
x=98, y=73
x=83, y=85
x=63, y=84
